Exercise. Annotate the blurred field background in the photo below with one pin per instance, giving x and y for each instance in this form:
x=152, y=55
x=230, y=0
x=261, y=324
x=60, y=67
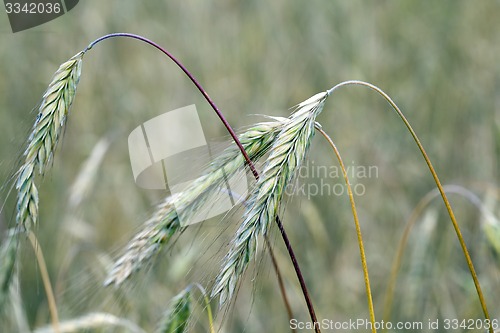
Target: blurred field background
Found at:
x=438, y=60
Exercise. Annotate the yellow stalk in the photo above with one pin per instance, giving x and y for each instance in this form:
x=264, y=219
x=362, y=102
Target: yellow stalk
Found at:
x=438, y=184
x=358, y=229
x=46, y=281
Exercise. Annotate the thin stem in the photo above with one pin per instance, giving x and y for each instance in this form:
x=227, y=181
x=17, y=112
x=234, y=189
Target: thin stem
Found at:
x=238, y=143
x=207, y=305
x=424, y=202
x=298, y=272
x=358, y=228
x=438, y=184
x=276, y=269
x=280, y=280
x=46, y=281
x=399, y=255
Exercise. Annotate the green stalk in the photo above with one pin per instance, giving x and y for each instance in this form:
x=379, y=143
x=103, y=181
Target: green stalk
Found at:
x=208, y=307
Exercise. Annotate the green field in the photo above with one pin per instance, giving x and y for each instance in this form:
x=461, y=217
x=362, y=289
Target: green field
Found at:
x=438, y=60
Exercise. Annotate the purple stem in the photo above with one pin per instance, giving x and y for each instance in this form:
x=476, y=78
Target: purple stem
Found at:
x=191, y=77
x=250, y=164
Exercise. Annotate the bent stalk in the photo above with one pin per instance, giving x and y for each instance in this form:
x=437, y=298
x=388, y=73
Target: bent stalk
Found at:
x=358, y=228
x=438, y=184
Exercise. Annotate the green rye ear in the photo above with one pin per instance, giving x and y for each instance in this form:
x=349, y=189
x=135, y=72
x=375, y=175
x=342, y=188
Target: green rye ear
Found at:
x=54, y=108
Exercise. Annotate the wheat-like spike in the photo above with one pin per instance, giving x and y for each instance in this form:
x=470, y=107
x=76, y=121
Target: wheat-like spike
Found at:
x=8, y=252
x=155, y=232
x=92, y=322
x=176, y=317
x=256, y=141
x=165, y=222
x=285, y=158
x=42, y=142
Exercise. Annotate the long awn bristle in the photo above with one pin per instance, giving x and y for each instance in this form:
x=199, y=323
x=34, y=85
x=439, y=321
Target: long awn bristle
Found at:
x=165, y=222
x=285, y=158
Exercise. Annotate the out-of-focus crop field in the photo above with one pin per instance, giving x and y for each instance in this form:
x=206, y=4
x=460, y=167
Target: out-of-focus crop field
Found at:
x=438, y=60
